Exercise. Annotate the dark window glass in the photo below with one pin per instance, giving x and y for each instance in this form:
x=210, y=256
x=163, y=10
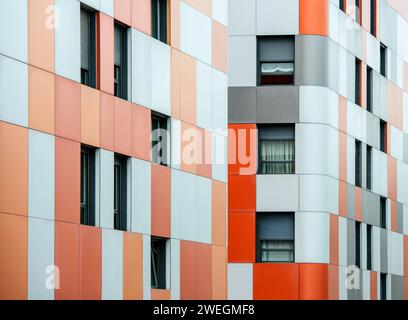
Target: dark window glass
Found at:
x=87, y=186
x=342, y=5
x=160, y=139
x=383, y=60
x=276, y=149
x=369, y=167
x=358, y=163
x=275, y=237
x=383, y=136
x=88, y=48
x=120, y=193
x=358, y=13
x=158, y=263
x=369, y=89
x=121, y=62
x=383, y=286
x=373, y=17
x=159, y=20
x=383, y=213
x=369, y=246
x=358, y=244
x=276, y=60
x=358, y=82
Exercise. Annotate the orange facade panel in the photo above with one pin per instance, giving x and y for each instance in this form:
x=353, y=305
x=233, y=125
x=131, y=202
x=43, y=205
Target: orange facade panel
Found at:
x=90, y=263
x=241, y=237
x=141, y=130
x=313, y=283
x=106, y=53
x=90, y=116
x=123, y=11
x=219, y=272
x=219, y=46
x=188, y=89
x=13, y=256
x=313, y=17
x=13, y=169
x=132, y=266
x=242, y=193
x=219, y=207
x=107, y=122
x=123, y=126
x=242, y=149
x=275, y=281
x=188, y=274
x=141, y=15
x=160, y=202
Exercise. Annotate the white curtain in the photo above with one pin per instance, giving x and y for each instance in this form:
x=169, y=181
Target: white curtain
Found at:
x=274, y=154
x=277, y=250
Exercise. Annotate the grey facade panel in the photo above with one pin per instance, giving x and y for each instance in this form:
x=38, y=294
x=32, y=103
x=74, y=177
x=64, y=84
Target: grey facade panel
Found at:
x=371, y=208
x=242, y=104
x=277, y=104
x=400, y=221
x=351, y=201
x=397, y=287
x=384, y=251
x=351, y=242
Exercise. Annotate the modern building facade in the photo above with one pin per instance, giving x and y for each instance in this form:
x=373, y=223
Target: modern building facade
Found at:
x=107, y=110
x=318, y=118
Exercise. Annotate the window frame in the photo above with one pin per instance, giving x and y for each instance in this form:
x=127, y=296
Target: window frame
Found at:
x=369, y=247
x=373, y=17
x=383, y=136
x=159, y=277
x=161, y=119
x=383, y=286
x=369, y=167
x=342, y=5
x=87, y=186
x=157, y=19
x=370, y=87
x=383, y=60
x=121, y=72
x=89, y=77
x=358, y=163
x=357, y=87
x=120, y=189
x=357, y=244
x=383, y=212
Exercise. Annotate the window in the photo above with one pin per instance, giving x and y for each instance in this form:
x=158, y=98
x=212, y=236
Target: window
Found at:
x=121, y=61
x=358, y=163
x=342, y=5
x=369, y=89
x=160, y=20
x=87, y=186
x=276, y=57
x=158, y=262
x=383, y=213
x=373, y=17
x=369, y=246
x=275, y=237
x=369, y=167
x=358, y=82
x=358, y=244
x=160, y=139
x=383, y=286
x=358, y=11
x=383, y=60
x=276, y=149
x=120, y=193
x=88, y=48
x=383, y=136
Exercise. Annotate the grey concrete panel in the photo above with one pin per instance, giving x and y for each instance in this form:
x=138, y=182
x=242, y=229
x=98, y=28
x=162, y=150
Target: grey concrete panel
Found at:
x=242, y=105
x=351, y=242
x=397, y=287
x=384, y=251
x=400, y=221
x=351, y=201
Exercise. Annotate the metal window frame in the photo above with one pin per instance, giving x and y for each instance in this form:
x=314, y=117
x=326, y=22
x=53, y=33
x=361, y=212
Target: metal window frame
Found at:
x=87, y=186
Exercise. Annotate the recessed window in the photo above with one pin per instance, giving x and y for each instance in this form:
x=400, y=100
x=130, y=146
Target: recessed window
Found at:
x=276, y=149
x=369, y=166
x=383, y=136
x=358, y=244
x=358, y=12
x=369, y=89
x=87, y=186
x=383, y=213
x=276, y=57
x=160, y=20
x=88, y=48
x=358, y=163
x=120, y=193
x=369, y=246
x=373, y=17
x=383, y=286
x=275, y=237
x=358, y=82
x=383, y=60
x=160, y=139
x=342, y=5
x=159, y=263
x=121, y=61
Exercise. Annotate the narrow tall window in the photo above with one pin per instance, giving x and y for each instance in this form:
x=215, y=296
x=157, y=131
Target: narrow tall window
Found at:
x=120, y=193
x=369, y=89
x=275, y=237
x=88, y=48
x=383, y=60
x=358, y=163
x=383, y=136
x=342, y=5
x=369, y=167
x=160, y=20
x=358, y=11
x=87, y=186
x=158, y=262
x=358, y=82
x=121, y=61
x=373, y=17
x=358, y=244
x=383, y=213
x=383, y=286
x=369, y=246
x=160, y=139
x=276, y=149
x=276, y=63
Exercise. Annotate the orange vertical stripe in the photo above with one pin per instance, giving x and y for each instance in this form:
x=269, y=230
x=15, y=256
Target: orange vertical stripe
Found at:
x=132, y=266
x=313, y=17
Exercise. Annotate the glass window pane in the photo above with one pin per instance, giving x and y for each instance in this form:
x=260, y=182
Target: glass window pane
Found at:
x=277, y=157
x=278, y=68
